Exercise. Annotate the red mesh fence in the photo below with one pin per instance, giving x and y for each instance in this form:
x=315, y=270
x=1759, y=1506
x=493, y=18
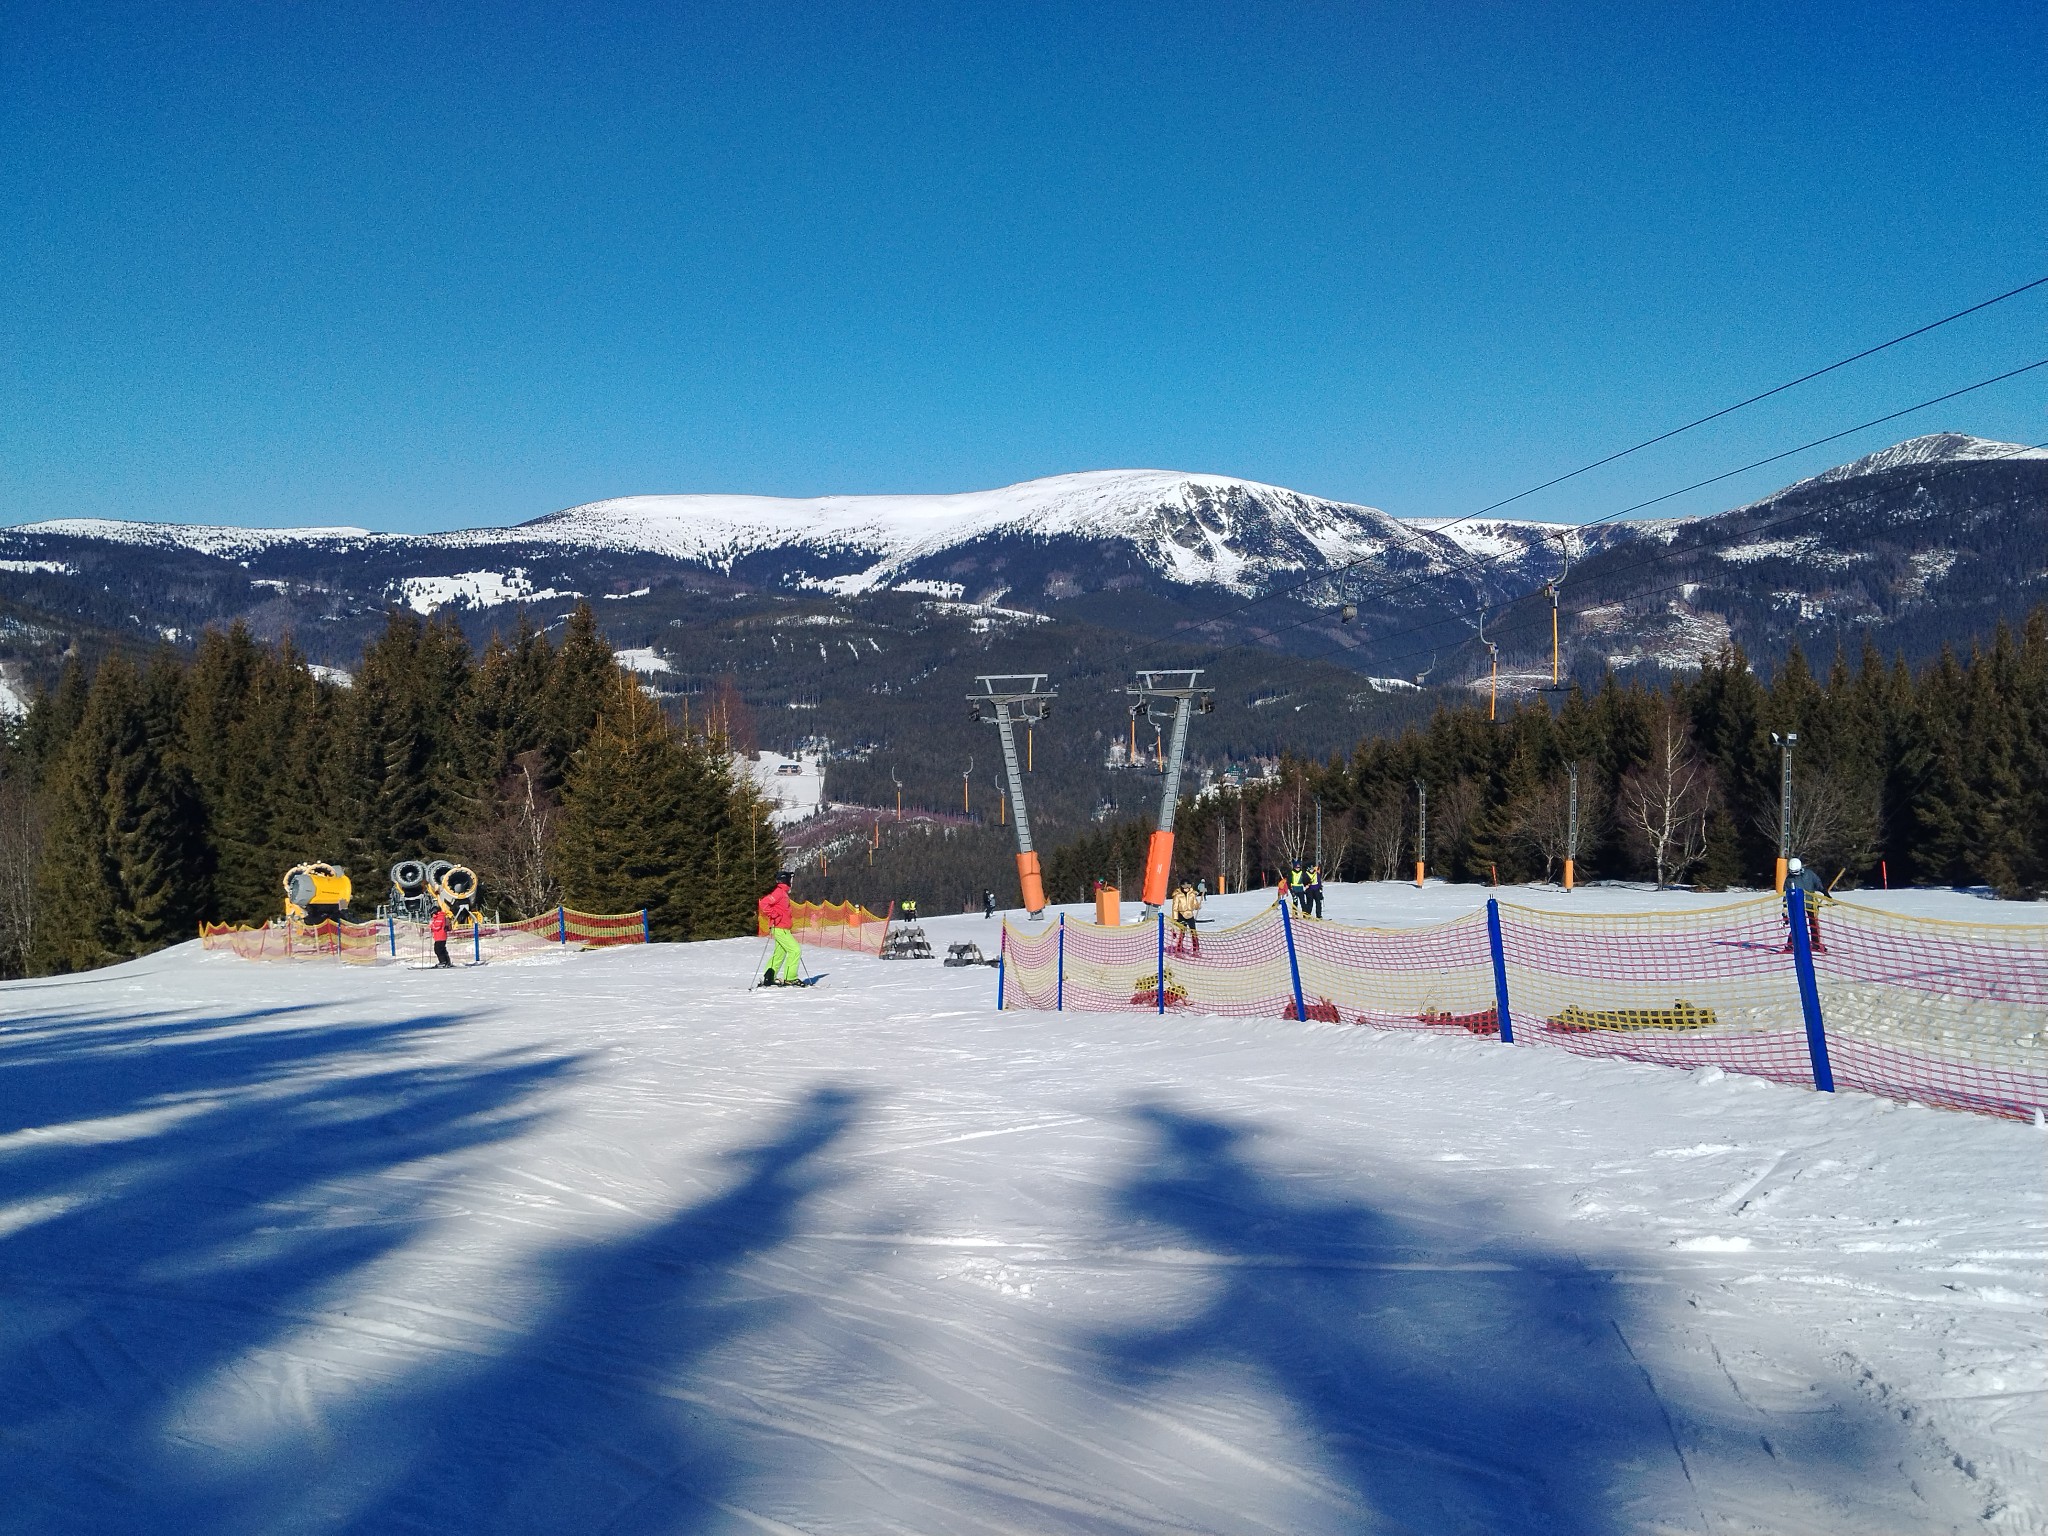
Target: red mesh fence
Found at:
x=1949, y=1014
x=1952, y=1014
x=1687, y=989
x=835, y=925
x=401, y=941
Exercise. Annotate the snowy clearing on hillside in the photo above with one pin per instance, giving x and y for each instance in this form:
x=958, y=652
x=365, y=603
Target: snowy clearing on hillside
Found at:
x=607, y=1242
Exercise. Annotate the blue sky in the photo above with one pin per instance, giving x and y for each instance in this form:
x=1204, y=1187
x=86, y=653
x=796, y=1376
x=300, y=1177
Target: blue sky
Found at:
x=426, y=266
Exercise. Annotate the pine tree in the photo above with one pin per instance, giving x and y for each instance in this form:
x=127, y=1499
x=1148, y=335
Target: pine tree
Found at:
x=124, y=870
x=584, y=675
x=627, y=838
x=52, y=717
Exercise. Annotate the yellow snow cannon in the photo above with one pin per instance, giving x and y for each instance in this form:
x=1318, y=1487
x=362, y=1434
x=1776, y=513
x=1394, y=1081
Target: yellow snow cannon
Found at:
x=316, y=893
x=453, y=887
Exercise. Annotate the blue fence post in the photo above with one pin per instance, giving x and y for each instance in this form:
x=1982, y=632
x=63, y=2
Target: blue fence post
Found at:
x=1500, y=972
x=1002, y=962
x=476, y=940
x=1059, y=994
x=561, y=925
x=1809, y=991
x=390, y=927
x=646, y=929
x=1160, y=919
x=1293, y=965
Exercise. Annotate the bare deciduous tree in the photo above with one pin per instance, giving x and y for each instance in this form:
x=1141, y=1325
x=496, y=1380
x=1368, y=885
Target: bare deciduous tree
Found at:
x=1287, y=820
x=1834, y=820
x=1385, y=836
x=513, y=852
x=1545, y=820
x=1664, y=802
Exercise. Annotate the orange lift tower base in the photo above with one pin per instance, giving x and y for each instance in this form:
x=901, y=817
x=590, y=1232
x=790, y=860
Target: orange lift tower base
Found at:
x=1155, y=692
x=1007, y=700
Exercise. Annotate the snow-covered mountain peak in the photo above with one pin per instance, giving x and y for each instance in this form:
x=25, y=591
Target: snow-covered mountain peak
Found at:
x=1200, y=528
x=1933, y=448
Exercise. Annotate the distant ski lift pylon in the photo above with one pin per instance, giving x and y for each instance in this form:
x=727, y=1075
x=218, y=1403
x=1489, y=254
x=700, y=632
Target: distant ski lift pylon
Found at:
x=1155, y=691
x=1006, y=699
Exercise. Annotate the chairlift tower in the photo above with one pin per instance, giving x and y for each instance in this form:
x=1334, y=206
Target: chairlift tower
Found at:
x=1159, y=695
x=1007, y=700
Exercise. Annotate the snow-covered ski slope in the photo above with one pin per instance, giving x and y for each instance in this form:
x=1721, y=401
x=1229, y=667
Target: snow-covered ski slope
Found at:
x=602, y=1242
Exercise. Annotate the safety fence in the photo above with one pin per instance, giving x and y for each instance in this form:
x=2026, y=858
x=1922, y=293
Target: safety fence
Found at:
x=398, y=940
x=1941, y=1013
x=836, y=925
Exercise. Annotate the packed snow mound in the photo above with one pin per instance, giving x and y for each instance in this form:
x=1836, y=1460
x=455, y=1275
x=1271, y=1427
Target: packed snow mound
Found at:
x=1934, y=448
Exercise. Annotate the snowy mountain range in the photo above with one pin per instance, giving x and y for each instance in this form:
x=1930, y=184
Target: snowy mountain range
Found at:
x=1871, y=543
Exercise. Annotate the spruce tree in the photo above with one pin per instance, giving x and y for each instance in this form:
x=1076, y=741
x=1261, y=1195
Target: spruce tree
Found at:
x=124, y=870
x=630, y=837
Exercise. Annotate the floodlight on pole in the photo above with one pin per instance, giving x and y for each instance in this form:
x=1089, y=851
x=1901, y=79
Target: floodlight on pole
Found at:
x=1784, y=744
x=1007, y=699
x=1571, y=828
x=1155, y=693
x=1421, y=831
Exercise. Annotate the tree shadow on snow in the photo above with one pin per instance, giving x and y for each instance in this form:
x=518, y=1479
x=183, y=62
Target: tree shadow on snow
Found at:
x=1498, y=1390
x=177, y=1194
x=594, y=1419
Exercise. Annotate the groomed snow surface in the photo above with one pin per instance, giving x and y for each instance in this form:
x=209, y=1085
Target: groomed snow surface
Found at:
x=605, y=1242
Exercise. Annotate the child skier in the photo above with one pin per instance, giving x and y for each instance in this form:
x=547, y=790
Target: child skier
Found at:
x=786, y=958
x=1806, y=880
x=437, y=930
x=1186, y=903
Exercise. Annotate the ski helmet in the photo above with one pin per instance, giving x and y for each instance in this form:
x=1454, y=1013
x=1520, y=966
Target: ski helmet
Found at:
x=1794, y=866
x=783, y=877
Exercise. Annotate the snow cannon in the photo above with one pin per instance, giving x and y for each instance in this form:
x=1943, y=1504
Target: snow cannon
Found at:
x=316, y=893
x=409, y=896
x=453, y=887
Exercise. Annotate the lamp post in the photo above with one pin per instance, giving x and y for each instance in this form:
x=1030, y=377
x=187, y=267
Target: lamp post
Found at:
x=1421, y=831
x=1784, y=744
x=1571, y=831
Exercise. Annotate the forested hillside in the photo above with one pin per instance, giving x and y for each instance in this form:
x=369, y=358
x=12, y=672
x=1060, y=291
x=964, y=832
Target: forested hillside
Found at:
x=1939, y=778
x=141, y=800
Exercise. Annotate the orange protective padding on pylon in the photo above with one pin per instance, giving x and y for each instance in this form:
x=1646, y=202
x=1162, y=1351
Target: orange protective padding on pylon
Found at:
x=1158, y=868
x=1032, y=882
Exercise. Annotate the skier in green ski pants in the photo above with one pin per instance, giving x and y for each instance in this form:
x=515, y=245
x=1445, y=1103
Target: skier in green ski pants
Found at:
x=785, y=959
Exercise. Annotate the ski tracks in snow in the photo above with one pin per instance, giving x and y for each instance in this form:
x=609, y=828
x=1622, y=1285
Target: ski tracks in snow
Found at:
x=600, y=1245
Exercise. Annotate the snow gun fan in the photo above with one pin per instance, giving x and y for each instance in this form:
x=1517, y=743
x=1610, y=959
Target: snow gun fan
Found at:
x=420, y=888
x=316, y=893
x=1006, y=700
x=905, y=939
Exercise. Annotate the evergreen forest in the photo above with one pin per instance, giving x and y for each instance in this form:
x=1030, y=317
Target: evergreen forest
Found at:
x=148, y=797
x=1932, y=778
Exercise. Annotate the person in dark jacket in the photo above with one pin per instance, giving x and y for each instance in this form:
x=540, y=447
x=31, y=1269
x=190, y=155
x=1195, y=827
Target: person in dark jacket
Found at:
x=1797, y=874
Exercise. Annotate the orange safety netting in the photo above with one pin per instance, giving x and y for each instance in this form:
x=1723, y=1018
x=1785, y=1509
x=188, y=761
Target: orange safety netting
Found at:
x=1950, y=1014
x=835, y=925
x=395, y=940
